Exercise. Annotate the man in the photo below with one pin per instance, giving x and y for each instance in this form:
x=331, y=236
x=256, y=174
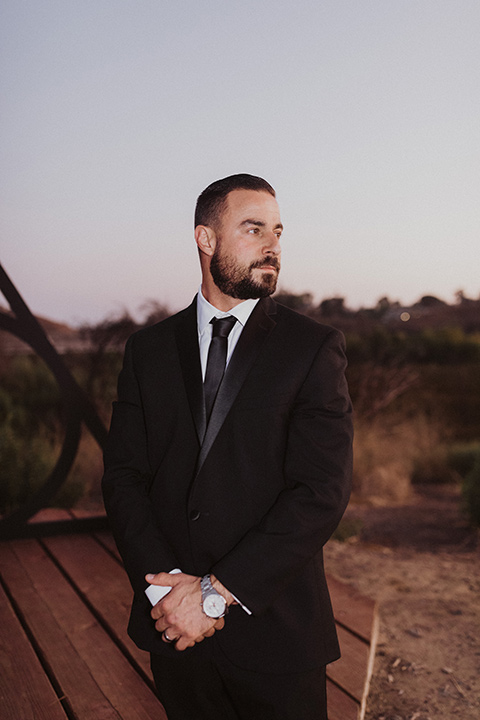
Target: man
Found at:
x=237, y=487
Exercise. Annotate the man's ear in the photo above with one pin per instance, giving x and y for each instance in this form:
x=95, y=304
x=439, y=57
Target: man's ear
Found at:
x=206, y=239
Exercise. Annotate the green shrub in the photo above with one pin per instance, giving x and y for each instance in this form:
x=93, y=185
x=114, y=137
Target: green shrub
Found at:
x=433, y=468
x=462, y=457
x=25, y=465
x=30, y=398
x=348, y=528
x=30, y=432
x=471, y=493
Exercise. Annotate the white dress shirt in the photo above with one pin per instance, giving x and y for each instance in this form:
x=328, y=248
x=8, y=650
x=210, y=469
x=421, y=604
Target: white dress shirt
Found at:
x=205, y=313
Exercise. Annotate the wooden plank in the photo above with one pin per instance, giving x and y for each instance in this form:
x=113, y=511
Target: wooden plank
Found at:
x=25, y=691
x=103, y=582
x=357, y=614
x=50, y=515
x=340, y=705
x=105, y=538
x=82, y=513
x=349, y=672
x=106, y=586
x=60, y=620
x=96, y=677
x=351, y=609
x=28, y=571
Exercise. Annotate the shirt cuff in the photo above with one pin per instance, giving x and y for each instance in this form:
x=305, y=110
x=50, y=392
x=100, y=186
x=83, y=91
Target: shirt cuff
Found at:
x=244, y=607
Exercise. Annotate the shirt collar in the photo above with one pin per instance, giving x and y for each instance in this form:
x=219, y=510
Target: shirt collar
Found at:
x=206, y=311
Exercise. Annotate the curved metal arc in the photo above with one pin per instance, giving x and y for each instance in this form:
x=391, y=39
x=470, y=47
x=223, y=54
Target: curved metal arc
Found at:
x=27, y=328
x=9, y=525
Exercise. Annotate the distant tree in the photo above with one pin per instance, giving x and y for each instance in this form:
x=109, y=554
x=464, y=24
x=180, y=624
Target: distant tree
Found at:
x=301, y=303
x=462, y=299
x=384, y=304
x=110, y=333
x=429, y=301
x=106, y=338
x=154, y=312
x=332, y=307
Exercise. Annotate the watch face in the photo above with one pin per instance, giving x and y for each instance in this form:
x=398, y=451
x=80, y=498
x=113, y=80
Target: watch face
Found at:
x=214, y=605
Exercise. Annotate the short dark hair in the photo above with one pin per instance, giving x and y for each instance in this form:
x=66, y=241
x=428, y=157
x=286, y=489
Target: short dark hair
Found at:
x=211, y=202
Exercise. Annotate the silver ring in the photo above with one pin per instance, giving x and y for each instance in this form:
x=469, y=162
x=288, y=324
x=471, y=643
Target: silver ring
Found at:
x=167, y=639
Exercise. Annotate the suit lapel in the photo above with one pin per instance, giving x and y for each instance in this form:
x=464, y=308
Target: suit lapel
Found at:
x=186, y=335
x=258, y=327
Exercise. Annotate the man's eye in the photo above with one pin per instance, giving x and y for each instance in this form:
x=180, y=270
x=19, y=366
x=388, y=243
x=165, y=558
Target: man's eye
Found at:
x=254, y=230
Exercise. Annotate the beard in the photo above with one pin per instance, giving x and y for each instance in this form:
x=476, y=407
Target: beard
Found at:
x=238, y=281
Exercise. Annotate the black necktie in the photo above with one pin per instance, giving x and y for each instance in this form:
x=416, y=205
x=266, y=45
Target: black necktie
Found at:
x=217, y=358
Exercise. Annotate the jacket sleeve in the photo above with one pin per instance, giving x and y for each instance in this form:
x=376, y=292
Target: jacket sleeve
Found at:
x=126, y=481
x=317, y=473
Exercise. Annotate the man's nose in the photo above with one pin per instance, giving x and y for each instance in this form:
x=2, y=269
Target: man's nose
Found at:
x=272, y=244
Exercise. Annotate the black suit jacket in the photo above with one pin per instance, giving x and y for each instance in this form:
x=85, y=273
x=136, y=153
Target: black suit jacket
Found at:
x=253, y=497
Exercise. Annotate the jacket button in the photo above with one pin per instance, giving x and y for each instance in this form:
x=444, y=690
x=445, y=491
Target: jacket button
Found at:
x=194, y=515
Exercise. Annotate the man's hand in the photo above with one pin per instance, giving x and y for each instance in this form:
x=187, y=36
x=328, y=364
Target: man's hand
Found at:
x=180, y=612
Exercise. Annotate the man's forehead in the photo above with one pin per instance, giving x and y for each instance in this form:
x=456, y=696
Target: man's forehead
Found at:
x=239, y=201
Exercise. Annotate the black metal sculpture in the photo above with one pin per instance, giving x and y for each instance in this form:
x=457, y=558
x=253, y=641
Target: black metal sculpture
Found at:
x=77, y=407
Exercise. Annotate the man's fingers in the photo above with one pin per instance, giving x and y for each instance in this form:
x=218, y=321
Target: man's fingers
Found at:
x=161, y=625
x=162, y=578
x=168, y=636
x=156, y=612
x=183, y=644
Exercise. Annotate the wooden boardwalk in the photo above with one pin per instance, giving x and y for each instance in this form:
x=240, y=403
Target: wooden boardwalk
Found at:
x=64, y=651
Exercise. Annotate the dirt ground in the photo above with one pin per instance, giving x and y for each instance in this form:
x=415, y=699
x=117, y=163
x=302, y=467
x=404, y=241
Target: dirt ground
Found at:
x=421, y=562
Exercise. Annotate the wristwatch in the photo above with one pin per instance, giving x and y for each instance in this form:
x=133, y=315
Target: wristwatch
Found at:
x=214, y=605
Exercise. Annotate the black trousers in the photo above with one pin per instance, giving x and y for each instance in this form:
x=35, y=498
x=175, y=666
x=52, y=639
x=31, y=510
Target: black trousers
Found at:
x=209, y=686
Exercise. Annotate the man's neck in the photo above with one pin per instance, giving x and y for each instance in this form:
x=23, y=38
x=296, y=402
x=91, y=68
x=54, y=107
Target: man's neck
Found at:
x=219, y=300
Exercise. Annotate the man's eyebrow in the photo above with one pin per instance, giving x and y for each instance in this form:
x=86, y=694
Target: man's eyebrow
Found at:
x=260, y=223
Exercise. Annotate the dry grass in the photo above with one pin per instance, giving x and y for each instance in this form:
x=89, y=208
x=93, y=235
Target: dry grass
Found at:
x=391, y=452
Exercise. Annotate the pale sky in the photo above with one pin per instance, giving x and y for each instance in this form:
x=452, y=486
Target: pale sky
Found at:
x=363, y=114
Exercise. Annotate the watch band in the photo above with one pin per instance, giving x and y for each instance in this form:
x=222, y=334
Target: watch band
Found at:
x=206, y=585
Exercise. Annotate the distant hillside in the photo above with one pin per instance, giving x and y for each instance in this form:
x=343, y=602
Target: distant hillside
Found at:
x=63, y=337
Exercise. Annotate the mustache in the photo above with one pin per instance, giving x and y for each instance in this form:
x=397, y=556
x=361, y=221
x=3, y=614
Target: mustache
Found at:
x=266, y=262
